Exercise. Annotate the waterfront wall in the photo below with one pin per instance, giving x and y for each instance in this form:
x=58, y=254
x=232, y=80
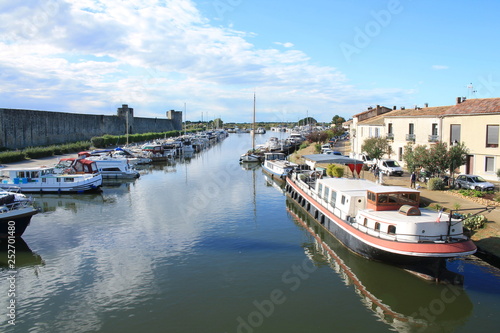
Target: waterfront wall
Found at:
x=27, y=128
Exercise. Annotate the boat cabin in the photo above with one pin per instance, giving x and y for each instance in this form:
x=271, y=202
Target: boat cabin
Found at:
x=391, y=198
x=76, y=165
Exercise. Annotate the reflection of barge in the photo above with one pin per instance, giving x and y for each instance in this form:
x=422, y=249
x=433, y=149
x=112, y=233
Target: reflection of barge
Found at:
x=379, y=222
x=398, y=299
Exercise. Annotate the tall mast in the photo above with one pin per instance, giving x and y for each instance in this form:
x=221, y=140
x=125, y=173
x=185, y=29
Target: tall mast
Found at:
x=253, y=132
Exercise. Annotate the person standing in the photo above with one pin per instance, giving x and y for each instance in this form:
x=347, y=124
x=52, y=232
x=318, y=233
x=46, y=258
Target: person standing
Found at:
x=413, y=179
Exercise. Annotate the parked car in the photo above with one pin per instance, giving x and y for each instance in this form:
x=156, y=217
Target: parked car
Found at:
x=390, y=167
x=473, y=182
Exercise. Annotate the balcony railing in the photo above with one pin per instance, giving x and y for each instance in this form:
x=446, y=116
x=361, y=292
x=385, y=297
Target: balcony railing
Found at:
x=433, y=138
x=410, y=137
x=390, y=136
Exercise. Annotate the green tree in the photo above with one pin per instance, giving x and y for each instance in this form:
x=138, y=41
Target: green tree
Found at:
x=457, y=156
x=307, y=121
x=409, y=157
x=334, y=170
x=375, y=147
x=338, y=120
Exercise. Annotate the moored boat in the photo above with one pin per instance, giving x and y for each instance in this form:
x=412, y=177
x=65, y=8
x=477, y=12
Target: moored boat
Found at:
x=277, y=165
x=379, y=222
x=45, y=179
x=16, y=211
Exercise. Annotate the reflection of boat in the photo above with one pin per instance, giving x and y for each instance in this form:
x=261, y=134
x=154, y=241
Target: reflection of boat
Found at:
x=16, y=211
x=250, y=166
x=44, y=179
x=379, y=222
x=397, y=298
x=277, y=165
x=23, y=254
x=271, y=181
x=49, y=202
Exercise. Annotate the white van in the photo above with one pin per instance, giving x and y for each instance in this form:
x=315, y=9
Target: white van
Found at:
x=390, y=167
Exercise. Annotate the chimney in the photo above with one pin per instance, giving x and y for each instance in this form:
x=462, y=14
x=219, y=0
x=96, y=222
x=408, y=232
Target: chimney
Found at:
x=402, y=108
x=459, y=100
x=426, y=105
x=416, y=107
x=394, y=107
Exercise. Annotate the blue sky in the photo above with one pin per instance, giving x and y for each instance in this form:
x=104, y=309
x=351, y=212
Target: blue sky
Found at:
x=317, y=58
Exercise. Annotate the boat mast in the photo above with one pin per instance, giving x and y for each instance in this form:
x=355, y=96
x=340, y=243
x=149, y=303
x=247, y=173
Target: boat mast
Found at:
x=253, y=126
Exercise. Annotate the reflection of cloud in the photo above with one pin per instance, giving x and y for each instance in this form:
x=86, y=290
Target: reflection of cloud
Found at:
x=439, y=67
x=89, y=56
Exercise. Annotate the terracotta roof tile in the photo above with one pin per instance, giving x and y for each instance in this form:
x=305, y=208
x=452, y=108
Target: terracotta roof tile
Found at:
x=476, y=106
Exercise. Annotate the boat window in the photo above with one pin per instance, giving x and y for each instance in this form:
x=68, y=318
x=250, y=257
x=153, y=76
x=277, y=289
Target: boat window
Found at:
x=365, y=222
x=377, y=226
x=343, y=200
x=35, y=174
x=327, y=193
x=371, y=196
x=393, y=198
x=333, y=199
x=69, y=180
x=320, y=188
x=382, y=198
x=391, y=229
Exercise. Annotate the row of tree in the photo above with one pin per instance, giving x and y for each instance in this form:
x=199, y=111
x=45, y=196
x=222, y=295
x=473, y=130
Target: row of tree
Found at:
x=436, y=159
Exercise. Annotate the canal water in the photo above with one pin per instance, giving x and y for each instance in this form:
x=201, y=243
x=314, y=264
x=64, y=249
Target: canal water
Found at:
x=207, y=245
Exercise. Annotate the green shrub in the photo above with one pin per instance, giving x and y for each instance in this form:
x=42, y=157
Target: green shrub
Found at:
x=12, y=156
x=317, y=147
x=471, y=193
x=38, y=152
x=304, y=144
x=474, y=222
x=334, y=170
x=435, y=184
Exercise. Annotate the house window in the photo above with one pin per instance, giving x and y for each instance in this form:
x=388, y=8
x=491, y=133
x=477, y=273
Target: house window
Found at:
x=389, y=129
x=434, y=129
x=455, y=134
x=492, y=136
x=400, y=154
x=489, y=164
x=377, y=130
x=411, y=129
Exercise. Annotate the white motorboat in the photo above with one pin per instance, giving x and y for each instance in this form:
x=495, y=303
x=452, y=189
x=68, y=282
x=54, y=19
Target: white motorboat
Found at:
x=111, y=167
x=277, y=165
x=16, y=211
x=45, y=179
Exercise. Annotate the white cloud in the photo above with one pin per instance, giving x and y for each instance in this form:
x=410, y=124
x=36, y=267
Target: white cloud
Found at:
x=92, y=56
x=287, y=45
x=439, y=67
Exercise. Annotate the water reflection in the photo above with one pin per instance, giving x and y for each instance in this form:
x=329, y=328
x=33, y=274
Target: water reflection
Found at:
x=24, y=256
x=72, y=202
x=399, y=299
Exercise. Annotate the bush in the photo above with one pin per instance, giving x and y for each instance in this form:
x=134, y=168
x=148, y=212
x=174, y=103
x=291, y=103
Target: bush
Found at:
x=317, y=147
x=474, y=222
x=304, y=144
x=12, y=156
x=334, y=170
x=472, y=193
x=435, y=184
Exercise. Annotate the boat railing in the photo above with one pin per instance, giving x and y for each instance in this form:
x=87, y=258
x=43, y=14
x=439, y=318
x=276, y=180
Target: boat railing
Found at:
x=409, y=238
x=15, y=205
